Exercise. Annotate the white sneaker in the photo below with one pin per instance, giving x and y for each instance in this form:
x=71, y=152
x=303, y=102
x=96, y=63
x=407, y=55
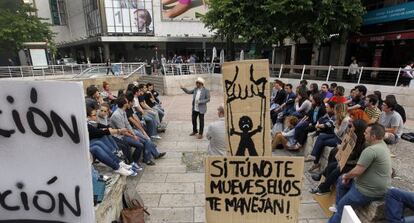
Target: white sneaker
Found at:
x=124, y=172
x=333, y=208
x=124, y=165
x=105, y=178
x=156, y=137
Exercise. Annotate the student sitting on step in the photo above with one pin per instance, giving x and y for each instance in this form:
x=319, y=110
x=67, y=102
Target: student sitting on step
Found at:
x=331, y=139
x=332, y=170
x=286, y=138
x=307, y=124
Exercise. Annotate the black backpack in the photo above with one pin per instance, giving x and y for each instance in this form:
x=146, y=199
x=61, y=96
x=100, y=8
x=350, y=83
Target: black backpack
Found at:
x=408, y=136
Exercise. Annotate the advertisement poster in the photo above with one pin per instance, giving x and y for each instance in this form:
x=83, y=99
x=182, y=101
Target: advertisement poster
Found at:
x=129, y=16
x=183, y=9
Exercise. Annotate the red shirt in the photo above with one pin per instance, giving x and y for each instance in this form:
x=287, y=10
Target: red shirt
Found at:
x=338, y=99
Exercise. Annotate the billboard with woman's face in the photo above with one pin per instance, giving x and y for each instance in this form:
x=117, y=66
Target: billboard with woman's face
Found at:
x=129, y=16
x=189, y=10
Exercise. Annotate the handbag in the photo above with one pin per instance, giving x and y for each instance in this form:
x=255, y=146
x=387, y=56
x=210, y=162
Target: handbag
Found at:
x=134, y=214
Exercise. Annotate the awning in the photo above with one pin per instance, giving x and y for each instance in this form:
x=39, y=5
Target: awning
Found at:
x=382, y=37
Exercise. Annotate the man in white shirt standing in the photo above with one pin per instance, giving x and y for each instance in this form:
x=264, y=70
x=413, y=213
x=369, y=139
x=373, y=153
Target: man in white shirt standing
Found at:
x=407, y=75
x=201, y=96
x=216, y=134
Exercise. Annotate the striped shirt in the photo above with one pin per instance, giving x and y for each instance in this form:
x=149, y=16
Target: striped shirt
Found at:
x=373, y=112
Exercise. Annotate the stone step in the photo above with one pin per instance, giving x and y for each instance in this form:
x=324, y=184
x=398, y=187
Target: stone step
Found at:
x=182, y=200
x=153, y=177
x=151, y=200
x=185, y=178
x=170, y=215
x=166, y=188
x=165, y=169
x=169, y=162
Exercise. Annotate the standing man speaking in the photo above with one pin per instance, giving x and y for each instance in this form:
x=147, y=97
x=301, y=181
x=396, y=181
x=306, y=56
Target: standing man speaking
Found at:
x=201, y=96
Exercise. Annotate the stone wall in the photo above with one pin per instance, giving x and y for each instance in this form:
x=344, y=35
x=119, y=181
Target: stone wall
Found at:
x=170, y=85
x=405, y=96
x=116, y=83
x=111, y=206
x=173, y=83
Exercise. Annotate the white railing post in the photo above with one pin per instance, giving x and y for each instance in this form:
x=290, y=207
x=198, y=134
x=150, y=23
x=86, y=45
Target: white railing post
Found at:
x=280, y=71
x=63, y=70
x=43, y=72
x=53, y=70
x=329, y=73
x=81, y=68
x=10, y=72
x=21, y=71
x=72, y=69
x=303, y=72
x=31, y=68
x=360, y=74
x=398, y=77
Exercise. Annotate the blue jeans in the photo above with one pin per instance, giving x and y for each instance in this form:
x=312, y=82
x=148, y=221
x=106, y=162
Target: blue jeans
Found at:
x=148, y=144
x=160, y=111
x=347, y=194
x=108, y=140
x=151, y=125
x=104, y=154
x=138, y=146
x=322, y=141
x=395, y=202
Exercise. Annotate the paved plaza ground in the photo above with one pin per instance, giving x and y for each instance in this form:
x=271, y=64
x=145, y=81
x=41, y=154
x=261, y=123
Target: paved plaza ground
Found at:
x=174, y=188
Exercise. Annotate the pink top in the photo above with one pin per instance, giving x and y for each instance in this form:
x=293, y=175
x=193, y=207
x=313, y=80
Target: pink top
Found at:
x=184, y=2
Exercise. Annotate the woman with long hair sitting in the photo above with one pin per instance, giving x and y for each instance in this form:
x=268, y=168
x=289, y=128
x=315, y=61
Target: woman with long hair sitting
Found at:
x=332, y=140
x=302, y=103
x=307, y=124
x=332, y=171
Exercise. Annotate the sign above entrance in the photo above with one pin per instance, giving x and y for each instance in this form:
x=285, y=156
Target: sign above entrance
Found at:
x=381, y=38
x=389, y=14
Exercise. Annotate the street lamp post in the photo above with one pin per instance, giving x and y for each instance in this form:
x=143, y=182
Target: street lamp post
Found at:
x=273, y=55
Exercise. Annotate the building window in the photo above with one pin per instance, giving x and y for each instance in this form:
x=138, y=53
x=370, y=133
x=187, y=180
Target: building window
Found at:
x=58, y=12
x=93, y=17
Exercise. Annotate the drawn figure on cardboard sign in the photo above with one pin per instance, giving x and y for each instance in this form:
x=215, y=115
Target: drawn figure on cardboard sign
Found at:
x=234, y=91
x=246, y=142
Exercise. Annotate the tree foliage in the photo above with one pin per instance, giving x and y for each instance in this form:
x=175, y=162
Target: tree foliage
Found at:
x=267, y=21
x=19, y=24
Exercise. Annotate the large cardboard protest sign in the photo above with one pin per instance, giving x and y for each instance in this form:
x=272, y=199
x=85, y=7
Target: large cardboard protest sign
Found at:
x=246, y=100
x=253, y=189
x=346, y=148
x=44, y=157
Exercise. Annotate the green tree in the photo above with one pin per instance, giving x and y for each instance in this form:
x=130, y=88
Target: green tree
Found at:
x=264, y=22
x=19, y=24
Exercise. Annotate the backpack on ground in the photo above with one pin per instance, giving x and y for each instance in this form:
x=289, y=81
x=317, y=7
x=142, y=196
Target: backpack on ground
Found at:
x=408, y=136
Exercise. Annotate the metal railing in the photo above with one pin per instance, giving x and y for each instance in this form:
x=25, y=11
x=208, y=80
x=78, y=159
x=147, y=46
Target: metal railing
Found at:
x=360, y=75
x=118, y=69
x=139, y=70
x=89, y=70
x=43, y=71
x=191, y=68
